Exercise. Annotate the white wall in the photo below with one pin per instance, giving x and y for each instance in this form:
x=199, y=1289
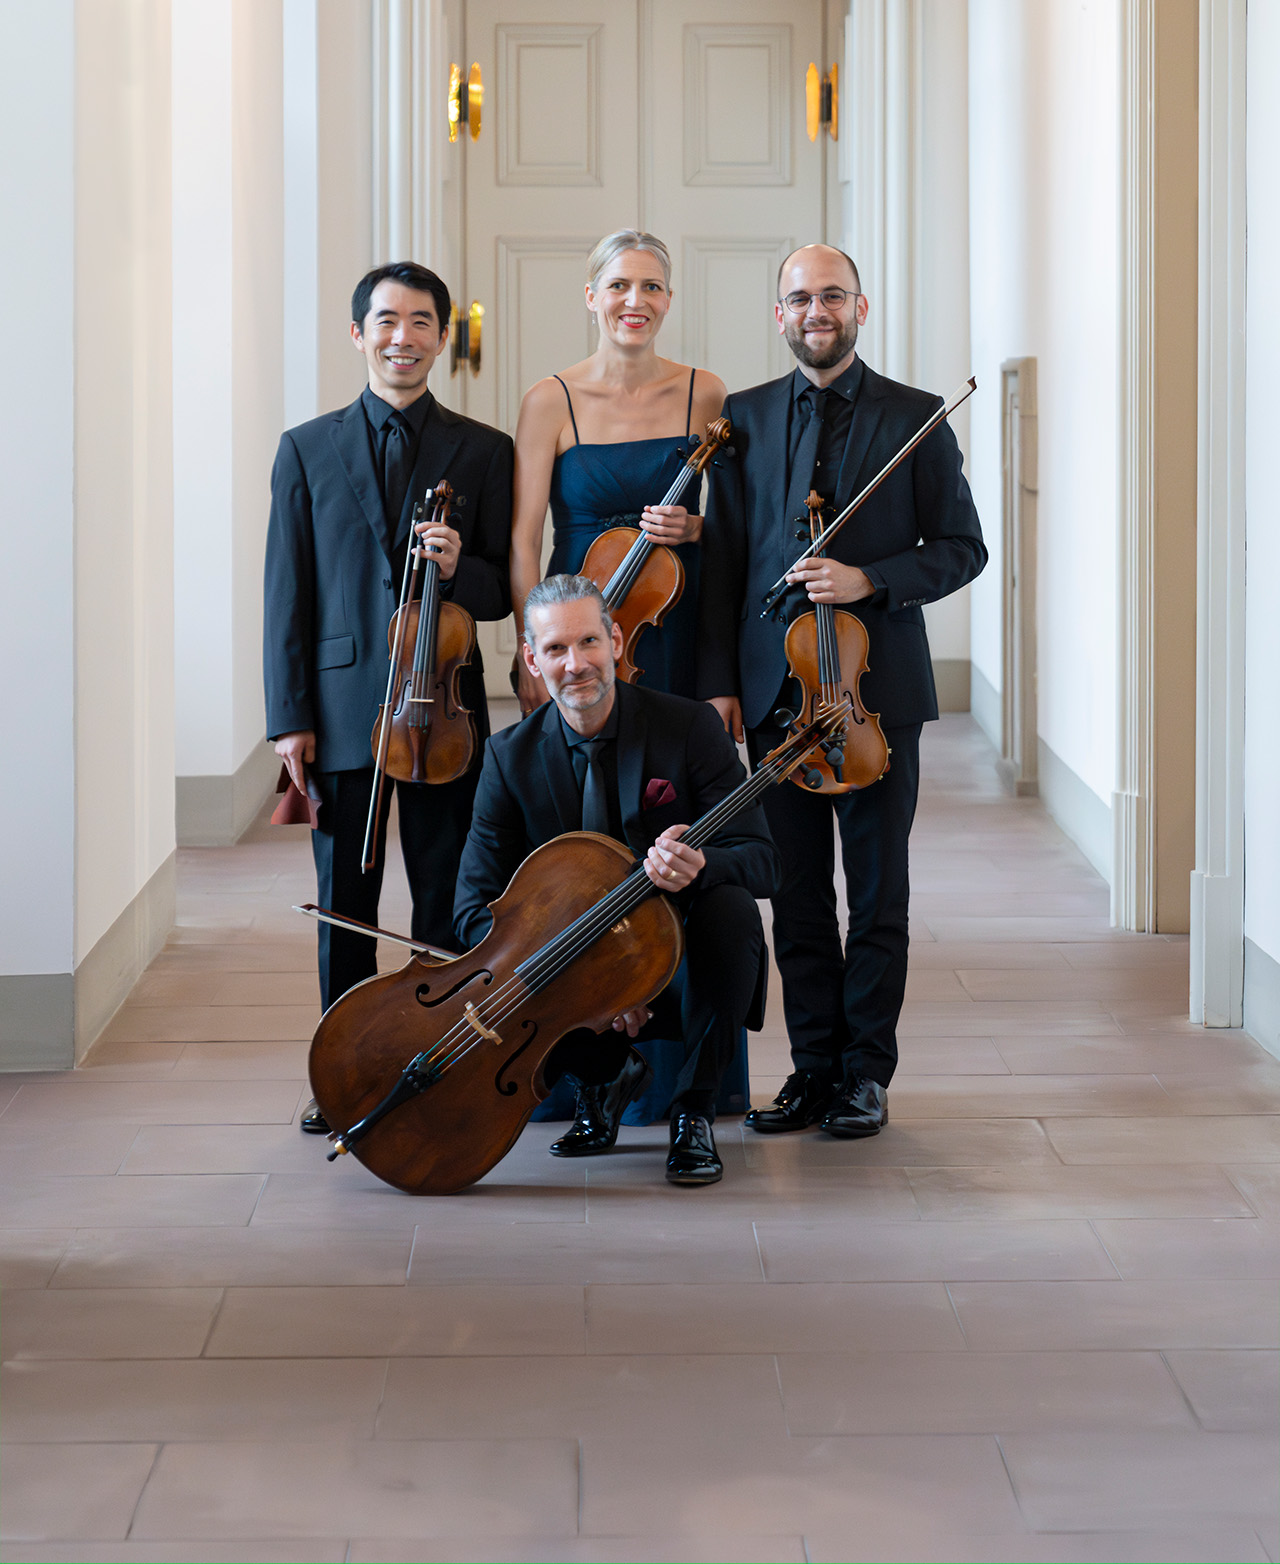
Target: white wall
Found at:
x=1043, y=183
x=1262, y=622
x=37, y=544
x=228, y=239
x=123, y=473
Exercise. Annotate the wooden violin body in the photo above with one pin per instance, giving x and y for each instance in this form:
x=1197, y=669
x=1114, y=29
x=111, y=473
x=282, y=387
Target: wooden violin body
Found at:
x=658, y=584
x=431, y=735
x=642, y=580
x=865, y=752
x=827, y=655
x=490, y=1056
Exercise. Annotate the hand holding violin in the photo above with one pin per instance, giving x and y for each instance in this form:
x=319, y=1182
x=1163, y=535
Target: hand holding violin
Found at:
x=671, y=524
x=444, y=543
x=828, y=581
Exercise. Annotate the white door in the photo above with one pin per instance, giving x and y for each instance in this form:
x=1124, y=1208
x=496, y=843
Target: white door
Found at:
x=687, y=119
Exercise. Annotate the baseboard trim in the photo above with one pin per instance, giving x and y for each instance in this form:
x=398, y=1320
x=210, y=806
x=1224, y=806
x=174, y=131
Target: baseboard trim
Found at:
x=216, y=811
x=984, y=703
x=1262, y=997
x=951, y=679
x=50, y=1020
x=1076, y=808
x=105, y=978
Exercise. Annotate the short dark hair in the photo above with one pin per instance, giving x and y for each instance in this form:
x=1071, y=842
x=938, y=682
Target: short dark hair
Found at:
x=853, y=267
x=412, y=276
x=565, y=589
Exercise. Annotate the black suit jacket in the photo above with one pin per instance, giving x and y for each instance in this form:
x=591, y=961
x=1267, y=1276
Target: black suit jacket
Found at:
x=917, y=538
x=528, y=795
x=333, y=572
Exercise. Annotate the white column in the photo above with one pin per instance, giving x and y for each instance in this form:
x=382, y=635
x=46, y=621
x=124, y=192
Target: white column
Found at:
x=229, y=288
x=1217, y=882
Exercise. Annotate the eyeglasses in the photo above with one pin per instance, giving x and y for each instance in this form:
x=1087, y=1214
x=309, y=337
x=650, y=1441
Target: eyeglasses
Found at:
x=831, y=299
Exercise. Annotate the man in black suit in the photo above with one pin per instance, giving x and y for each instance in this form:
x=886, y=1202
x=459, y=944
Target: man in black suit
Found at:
x=832, y=424
x=342, y=495
x=640, y=766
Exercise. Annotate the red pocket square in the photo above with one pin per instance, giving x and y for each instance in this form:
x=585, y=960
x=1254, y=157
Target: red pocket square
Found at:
x=657, y=792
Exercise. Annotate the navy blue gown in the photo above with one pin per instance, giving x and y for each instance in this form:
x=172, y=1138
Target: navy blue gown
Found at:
x=593, y=488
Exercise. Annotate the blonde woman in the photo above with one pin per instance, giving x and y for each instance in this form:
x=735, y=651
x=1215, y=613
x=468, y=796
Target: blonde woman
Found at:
x=601, y=442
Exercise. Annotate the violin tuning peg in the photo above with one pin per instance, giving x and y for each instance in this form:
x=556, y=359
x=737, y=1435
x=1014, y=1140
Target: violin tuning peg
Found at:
x=784, y=718
x=835, y=757
x=812, y=778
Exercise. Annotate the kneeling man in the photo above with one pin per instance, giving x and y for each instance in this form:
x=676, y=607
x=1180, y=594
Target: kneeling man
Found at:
x=640, y=766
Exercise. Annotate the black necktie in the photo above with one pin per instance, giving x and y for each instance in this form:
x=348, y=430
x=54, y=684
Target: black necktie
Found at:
x=396, y=469
x=595, y=800
x=802, y=465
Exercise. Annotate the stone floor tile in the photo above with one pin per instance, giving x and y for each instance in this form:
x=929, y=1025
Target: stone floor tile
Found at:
x=1022, y=1096
x=345, y=1196
x=967, y=1142
x=823, y=1316
x=1221, y=1247
x=931, y=1251
x=354, y=1322
x=224, y=1148
x=71, y=1491
x=950, y=1056
x=747, y=1482
x=164, y=1402
x=1144, y=1480
x=1116, y=1141
x=1204, y=1059
x=720, y=1548
x=1230, y=1391
x=571, y=1397
x=582, y=1252
x=500, y=1487
x=951, y=1194
x=183, y=1550
x=977, y=1392
x=30, y=1256
x=80, y=1099
x=212, y=1023
x=108, y=1322
x=116, y=1202
x=233, y=1257
x=1223, y=1545
x=29, y=1150
x=1043, y=1316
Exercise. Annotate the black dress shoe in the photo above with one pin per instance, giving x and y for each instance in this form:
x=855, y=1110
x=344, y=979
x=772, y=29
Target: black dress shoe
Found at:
x=313, y=1122
x=860, y=1109
x=600, y=1108
x=693, y=1158
x=803, y=1100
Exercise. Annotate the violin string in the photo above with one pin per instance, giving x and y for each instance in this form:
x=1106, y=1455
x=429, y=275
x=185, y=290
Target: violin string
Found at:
x=624, y=577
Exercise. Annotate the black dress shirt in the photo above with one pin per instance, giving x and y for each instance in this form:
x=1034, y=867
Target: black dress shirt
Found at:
x=608, y=763
x=379, y=414
x=841, y=397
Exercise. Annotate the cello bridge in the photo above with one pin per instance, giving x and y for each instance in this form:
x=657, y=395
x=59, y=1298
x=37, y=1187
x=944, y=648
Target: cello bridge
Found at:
x=470, y=1016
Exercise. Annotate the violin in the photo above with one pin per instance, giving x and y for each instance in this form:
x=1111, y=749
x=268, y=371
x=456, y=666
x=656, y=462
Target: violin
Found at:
x=429, y=1074
x=642, y=580
x=827, y=655
x=423, y=733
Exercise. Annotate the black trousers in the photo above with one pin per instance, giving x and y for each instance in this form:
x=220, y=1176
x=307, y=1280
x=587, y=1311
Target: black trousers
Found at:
x=706, y=1004
x=841, y=999
x=434, y=821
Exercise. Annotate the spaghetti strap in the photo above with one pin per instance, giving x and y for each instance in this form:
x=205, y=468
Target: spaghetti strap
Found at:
x=577, y=438
x=688, y=413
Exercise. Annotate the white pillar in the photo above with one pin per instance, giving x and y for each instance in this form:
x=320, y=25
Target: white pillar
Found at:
x=86, y=575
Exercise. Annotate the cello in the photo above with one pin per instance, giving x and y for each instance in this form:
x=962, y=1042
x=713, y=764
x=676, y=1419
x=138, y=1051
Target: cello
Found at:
x=429, y=1074
x=826, y=652
x=423, y=733
x=641, y=580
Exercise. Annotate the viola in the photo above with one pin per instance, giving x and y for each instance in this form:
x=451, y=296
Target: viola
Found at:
x=423, y=733
x=429, y=1074
x=827, y=655
x=642, y=580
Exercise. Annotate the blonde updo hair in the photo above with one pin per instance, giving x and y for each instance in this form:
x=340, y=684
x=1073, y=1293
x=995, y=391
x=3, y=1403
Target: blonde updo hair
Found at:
x=616, y=244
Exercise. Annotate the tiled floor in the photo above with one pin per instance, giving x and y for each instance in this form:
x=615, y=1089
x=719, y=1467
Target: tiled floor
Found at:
x=1035, y=1319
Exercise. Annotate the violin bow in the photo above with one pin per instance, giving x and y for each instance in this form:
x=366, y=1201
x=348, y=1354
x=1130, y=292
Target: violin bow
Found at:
x=962, y=394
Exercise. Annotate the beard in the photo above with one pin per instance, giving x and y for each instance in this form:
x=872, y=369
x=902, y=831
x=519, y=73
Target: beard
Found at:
x=846, y=339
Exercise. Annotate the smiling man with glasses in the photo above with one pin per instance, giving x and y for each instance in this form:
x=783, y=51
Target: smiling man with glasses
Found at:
x=831, y=425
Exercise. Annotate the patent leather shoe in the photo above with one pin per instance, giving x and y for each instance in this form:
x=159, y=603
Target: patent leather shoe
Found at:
x=693, y=1158
x=599, y=1110
x=804, y=1099
x=860, y=1109
x=313, y=1122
